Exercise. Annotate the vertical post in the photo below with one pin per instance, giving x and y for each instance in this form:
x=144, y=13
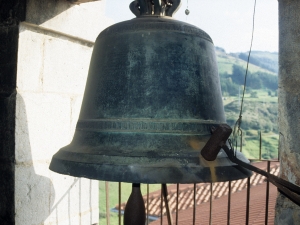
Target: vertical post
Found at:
x=120, y=194
x=147, y=204
x=168, y=210
x=210, y=203
x=267, y=195
x=194, y=205
x=229, y=203
x=161, y=205
x=289, y=106
x=177, y=202
x=248, y=201
x=107, y=202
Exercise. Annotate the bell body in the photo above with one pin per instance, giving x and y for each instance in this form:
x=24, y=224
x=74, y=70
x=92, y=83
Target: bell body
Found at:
x=152, y=96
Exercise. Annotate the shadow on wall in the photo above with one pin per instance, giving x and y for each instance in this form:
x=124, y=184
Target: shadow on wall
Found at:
x=34, y=193
x=42, y=196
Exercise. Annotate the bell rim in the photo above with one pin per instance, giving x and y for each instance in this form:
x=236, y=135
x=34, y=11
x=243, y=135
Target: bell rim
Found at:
x=168, y=170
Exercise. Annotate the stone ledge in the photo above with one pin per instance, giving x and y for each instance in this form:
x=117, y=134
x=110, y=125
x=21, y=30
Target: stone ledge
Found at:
x=81, y=1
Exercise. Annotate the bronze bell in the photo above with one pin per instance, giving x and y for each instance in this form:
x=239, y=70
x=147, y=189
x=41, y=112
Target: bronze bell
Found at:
x=152, y=96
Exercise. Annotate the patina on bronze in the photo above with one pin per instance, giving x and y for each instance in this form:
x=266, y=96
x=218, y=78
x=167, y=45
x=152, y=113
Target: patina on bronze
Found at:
x=152, y=95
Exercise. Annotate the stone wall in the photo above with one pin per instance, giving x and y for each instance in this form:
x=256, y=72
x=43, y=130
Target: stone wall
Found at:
x=40, y=99
x=289, y=106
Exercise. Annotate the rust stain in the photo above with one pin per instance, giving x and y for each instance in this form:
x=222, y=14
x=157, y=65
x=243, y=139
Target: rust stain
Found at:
x=212, y=167
x=196, y=144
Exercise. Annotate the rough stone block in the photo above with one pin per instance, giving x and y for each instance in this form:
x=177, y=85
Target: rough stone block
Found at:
x=32, y=194
x=50, y=198
x=85, y=20
x=51, y=63
x=30, y=58
x=65, y=66
x=76, y=200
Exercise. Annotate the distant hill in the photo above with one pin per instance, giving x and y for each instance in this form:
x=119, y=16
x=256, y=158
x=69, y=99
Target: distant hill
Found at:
x=265, y=60
x=260, y=61
x=262, y=71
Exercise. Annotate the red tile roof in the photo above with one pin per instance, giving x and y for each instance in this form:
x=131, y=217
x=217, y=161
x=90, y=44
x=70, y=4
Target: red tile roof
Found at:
x=237, y=210
x=220, y=200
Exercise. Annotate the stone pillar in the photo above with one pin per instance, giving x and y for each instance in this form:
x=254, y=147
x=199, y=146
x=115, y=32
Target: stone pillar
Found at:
x=289, y=106
x=11, y=13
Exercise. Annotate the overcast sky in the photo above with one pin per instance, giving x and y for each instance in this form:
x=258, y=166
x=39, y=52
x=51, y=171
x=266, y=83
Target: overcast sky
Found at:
x=228, y=22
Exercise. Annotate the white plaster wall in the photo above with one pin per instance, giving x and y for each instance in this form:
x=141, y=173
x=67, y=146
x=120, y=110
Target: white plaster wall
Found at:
x=52, y=71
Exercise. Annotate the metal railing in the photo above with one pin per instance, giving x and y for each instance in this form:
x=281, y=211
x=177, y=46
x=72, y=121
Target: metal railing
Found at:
x=171, y=216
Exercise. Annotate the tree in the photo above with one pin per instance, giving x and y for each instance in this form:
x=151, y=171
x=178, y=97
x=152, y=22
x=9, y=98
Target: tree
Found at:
x=238, y=74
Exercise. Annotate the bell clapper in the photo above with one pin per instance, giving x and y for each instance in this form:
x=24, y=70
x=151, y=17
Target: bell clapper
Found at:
x=134, y=213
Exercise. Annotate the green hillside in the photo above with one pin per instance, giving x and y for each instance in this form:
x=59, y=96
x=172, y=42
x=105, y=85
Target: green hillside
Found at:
x=260, y=103
x=265, y=60
x=225, y=61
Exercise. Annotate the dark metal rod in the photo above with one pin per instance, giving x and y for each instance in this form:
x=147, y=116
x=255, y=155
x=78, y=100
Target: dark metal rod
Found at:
x=165, y=193
x=161, y=206
x=107, y=203
x=147, y=203
x=177, y=202
x=267, y=195
x=210, y=204
x=194, y=206
x=120, y=202
x=289, y=189
x=229, y=203
x=260, y=140
x=248, y=201
x=241, y=141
